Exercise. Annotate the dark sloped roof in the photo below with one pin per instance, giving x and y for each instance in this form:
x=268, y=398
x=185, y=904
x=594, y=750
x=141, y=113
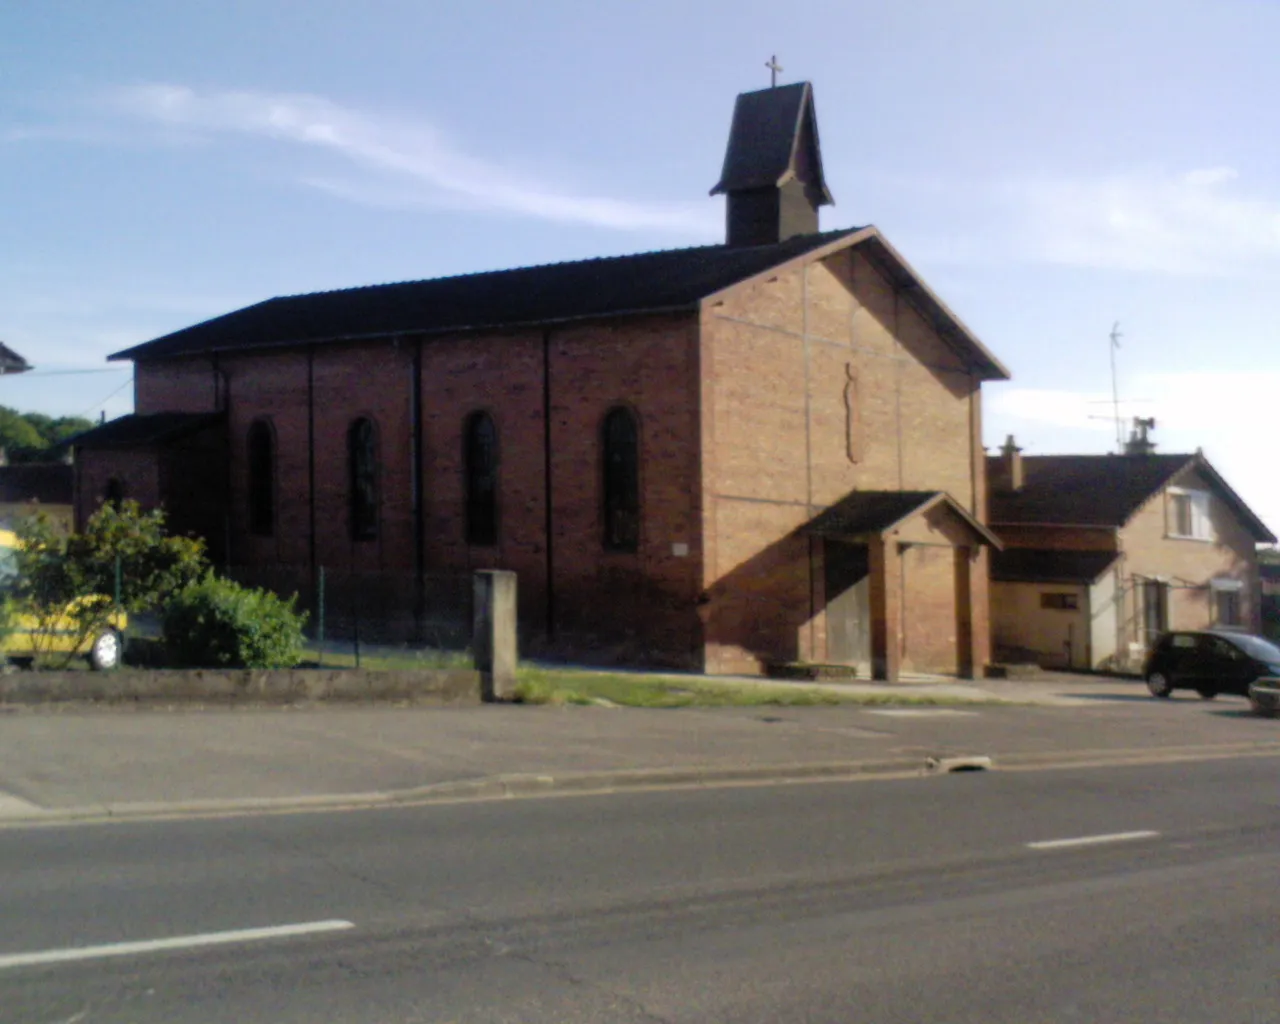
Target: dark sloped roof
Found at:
x=10, y=361
x=861, y=513
x=154, y=428
x=769, y=127
x=46, y=482
x=1082, y=490
x=648, y=282
x=869, y=511
x=1026, y=565
x=1102, y=490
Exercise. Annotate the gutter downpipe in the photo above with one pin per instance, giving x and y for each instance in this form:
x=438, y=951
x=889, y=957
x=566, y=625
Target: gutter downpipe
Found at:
x=550, y=596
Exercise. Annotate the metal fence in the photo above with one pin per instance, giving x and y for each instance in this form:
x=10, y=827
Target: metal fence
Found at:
x=362, y=613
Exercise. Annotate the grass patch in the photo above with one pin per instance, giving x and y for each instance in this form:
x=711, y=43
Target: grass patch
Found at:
x=384, y=661
x=552, y=686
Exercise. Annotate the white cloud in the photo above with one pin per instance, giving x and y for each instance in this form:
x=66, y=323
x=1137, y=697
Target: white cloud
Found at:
x=1197, y=222
x=411, y=162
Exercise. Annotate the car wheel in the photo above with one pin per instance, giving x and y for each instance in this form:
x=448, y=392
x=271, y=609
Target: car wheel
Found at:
x=1206, y=693
x=105, y=652
x=1158, y=685
x=1260, y=709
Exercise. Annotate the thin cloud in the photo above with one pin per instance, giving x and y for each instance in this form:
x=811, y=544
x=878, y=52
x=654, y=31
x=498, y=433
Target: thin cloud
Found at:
x=411, y=163
x=1199, y=222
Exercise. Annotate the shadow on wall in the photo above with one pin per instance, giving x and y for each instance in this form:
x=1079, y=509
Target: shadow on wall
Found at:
x=764, y=605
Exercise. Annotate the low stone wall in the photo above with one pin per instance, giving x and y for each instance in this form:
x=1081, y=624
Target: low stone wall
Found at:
x=243, y=686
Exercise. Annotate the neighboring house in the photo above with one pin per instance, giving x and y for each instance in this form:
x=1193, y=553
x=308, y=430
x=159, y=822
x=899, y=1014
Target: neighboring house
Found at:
x=36, y=486
x=11, y=362
x=1104, y=552
x=720, y=457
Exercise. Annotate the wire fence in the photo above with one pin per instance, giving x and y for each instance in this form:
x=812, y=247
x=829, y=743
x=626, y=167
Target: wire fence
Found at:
x=381, y=614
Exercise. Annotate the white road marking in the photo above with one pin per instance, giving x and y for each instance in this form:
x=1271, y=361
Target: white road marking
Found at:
x=1113, y=837
x=282, y=931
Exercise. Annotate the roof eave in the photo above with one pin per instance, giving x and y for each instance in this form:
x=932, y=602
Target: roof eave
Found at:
x=137, y=353
x=993, y=370
x=1255, y=525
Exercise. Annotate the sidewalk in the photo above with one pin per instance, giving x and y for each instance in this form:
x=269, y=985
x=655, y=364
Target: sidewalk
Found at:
x=86, y=762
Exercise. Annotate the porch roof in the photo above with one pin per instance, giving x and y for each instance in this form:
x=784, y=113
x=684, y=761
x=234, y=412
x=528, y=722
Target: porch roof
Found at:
x=143, y=431
x=873, y=513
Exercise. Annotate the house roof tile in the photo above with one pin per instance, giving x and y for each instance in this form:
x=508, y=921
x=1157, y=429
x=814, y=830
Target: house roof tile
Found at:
x=136, y=430
x=675, y=279
x=653, y=282
x=1101, y=490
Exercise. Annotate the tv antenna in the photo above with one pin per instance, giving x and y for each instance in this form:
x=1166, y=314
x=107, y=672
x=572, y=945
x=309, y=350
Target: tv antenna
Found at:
x=1115, y=388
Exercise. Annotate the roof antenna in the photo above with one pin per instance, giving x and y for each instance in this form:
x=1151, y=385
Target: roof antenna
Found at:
x=774, y=67
x=1115, y=388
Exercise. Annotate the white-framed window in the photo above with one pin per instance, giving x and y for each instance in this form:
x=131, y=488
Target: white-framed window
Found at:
x=1188, y=514
x=1226, y=601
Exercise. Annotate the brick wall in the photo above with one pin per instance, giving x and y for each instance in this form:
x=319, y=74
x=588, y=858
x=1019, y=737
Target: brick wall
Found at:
x=137, y=471
x=780, y=356
x=1188, y=565
x=636, y=606
x=1060, y=538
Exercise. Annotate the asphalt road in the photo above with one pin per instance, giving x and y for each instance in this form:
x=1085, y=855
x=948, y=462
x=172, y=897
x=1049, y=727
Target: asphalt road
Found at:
x=912, y=900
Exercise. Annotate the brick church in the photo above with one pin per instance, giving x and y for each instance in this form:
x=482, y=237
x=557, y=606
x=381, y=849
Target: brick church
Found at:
x=763, y=451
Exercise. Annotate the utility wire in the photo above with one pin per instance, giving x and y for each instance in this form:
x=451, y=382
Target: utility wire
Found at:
x=104, y=401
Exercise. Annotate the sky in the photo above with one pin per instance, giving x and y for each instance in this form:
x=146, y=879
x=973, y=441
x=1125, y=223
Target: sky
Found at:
x=1050, y=168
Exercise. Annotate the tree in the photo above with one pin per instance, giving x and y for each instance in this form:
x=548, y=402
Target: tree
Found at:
x=72, y=586
x=27, y=437
x=17, y=435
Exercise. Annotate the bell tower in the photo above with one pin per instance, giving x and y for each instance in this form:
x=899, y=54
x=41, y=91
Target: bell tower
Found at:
x=772, y=177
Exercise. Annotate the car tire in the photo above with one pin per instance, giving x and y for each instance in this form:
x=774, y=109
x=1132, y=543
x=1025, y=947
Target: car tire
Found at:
x=1206, y=693
x=1158, y=685
x=1260, y=709
x=105, y=654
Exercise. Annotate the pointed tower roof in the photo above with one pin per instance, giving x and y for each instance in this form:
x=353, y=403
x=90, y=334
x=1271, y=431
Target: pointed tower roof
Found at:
x=774, y=139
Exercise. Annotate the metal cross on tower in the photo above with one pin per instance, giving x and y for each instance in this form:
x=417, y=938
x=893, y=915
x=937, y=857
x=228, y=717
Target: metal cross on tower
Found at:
x=774, y=67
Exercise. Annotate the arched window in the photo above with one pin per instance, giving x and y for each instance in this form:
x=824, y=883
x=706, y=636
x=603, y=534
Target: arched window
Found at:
x=480, y=457
x=262, y=479
x=362, y=477
x=114, y=494
x=621, y=445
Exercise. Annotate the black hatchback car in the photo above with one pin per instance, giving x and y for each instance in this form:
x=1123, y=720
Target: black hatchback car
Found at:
x=1209, y=662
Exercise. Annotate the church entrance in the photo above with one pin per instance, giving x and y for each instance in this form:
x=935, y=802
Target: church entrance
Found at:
x=848, y=603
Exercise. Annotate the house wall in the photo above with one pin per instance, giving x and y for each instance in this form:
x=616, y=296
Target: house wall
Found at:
x=138, y=471
x=1187, y=565
x=1105, y=613
x=817, y=380
x=636, y=606
x=1053, y=638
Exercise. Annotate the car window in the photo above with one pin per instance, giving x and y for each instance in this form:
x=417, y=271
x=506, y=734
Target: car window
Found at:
x=1256, y=647
x=1221, y=649
x=1182, y=641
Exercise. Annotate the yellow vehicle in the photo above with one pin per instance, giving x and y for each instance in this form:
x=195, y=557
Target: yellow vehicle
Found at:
x=24, y=639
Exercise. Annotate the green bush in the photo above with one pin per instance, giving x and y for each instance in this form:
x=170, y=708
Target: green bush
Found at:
x=216, y=623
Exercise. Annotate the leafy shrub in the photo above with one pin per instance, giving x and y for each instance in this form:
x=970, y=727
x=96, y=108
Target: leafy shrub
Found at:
x=217, y=623
x=67, y=584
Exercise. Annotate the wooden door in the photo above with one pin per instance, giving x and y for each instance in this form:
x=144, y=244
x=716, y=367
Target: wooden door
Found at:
x=848, y=594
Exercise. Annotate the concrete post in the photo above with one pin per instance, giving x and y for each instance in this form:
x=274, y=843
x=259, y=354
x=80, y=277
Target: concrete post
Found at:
x=493, y=636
